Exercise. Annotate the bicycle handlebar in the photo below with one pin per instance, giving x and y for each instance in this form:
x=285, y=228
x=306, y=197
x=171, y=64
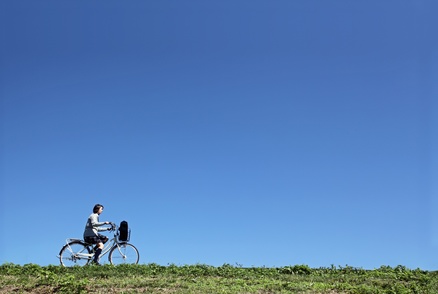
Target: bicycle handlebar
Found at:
x=113, y=226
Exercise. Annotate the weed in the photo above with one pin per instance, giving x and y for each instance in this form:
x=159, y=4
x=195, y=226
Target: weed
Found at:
x=200, y=278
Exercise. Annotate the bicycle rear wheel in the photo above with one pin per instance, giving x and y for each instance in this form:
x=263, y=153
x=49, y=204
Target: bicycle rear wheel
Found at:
x=75, y=253
x=124, y=253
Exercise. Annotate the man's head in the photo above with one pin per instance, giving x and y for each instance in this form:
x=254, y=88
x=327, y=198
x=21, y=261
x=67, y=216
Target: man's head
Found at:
x=98, y=208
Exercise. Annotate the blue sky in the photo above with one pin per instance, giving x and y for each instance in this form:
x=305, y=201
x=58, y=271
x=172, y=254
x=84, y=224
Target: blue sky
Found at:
x=260, y=133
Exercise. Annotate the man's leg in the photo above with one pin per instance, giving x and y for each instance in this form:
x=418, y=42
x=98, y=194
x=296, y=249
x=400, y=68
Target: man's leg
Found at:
x=98, y=252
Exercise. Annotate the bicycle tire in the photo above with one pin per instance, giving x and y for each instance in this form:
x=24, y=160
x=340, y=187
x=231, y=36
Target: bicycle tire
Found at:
x=70, y=254
x=124, y=253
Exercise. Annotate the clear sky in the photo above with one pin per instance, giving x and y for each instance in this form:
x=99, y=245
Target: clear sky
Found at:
x=259, y=133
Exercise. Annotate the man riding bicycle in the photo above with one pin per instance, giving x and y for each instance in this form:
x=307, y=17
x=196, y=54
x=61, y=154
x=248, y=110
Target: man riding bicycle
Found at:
x=92, y=228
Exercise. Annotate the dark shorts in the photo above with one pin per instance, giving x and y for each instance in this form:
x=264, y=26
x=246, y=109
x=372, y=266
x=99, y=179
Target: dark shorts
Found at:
x=96, y=239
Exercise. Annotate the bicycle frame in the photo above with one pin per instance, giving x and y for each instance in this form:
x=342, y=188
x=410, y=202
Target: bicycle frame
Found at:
x=107, y=247
x=110, y=244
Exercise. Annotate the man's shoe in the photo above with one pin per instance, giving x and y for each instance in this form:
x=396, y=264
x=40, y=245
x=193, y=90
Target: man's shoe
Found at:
x=94, y=262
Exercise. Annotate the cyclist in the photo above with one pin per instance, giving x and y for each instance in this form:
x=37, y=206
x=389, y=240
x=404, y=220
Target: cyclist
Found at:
x=92, y=228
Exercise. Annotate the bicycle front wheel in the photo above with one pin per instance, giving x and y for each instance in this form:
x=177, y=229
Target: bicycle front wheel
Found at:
x=124, y=253
x=75, y=253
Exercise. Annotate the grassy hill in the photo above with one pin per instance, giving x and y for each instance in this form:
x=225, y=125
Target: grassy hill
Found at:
x=153, y=278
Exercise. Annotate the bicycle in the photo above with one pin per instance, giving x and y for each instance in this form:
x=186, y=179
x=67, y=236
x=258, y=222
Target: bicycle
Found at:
x=78, y=252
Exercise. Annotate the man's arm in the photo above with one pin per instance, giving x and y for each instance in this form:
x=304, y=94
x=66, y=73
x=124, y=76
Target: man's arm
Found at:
x=95, y=223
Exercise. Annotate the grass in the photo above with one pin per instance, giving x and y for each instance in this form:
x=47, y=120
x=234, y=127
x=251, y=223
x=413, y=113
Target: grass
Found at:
x=153, y=278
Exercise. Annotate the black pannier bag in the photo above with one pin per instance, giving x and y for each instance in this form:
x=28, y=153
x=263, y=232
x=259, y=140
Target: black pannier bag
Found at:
x=123, y=231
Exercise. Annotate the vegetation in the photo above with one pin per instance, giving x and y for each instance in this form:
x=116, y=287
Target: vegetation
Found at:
x=153, y=278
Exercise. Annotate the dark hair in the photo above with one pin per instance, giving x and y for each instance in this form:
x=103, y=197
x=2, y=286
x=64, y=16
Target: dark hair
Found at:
x=97, y=207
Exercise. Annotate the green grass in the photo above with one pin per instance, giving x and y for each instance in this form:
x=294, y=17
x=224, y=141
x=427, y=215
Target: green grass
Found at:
x=153, y=278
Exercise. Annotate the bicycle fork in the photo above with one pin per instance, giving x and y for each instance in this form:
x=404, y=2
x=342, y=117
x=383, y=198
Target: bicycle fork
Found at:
x=120, y=250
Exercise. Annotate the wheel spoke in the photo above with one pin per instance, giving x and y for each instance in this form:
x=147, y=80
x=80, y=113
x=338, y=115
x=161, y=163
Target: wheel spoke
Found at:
x=124, y=254
x=75, y=253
